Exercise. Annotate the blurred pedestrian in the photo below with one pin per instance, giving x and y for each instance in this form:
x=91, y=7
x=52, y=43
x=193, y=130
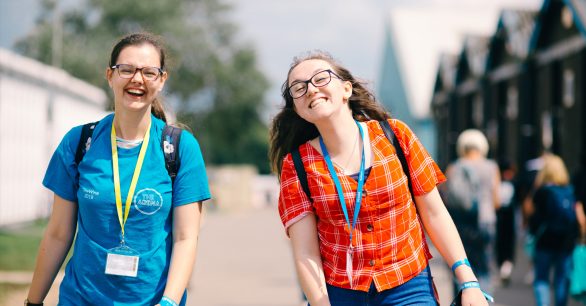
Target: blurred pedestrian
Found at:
x=473, y=198
x=506, y=228
x=357, y=234
x=578, y=279
x=579, y=182
x=554, y=224
x=525, y=189
x=137, y=252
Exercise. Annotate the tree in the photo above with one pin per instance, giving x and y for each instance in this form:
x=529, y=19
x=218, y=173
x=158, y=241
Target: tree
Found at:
x=214, y=84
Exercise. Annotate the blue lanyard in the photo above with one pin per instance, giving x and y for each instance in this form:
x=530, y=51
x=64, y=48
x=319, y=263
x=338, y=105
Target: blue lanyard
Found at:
x=339, y=185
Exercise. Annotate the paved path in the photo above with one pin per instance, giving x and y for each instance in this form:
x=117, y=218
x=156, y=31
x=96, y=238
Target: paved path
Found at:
x=244, y=259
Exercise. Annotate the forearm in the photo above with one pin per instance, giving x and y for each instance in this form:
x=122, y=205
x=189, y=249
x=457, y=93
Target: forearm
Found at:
x=182, y=263
x=312, y=280
x=445, y=238
x=185, y=235
x=52, y=253
x=443, y=234
x=581, y=220
x=305, y=243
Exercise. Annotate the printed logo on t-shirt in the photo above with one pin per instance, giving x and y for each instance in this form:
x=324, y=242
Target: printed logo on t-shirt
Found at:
x=89, y=193
x=148, y=201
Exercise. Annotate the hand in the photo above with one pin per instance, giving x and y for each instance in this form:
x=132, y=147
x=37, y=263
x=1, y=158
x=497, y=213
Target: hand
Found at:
x=473, y=297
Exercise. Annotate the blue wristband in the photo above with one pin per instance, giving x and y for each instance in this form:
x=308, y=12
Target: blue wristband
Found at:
x=475, y=284
x=472, y=284
x=459, y=263
x=165, y=301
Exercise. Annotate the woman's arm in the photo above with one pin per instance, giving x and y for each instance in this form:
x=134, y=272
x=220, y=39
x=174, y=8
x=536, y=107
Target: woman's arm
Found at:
x=496, y=185
x=54, y=247
x=186, y=220
x=308, y=262
x=444, y=235
x=581, y=216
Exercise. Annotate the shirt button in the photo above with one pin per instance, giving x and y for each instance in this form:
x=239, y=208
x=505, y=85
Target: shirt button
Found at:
x=371, y=262
x=369, y=227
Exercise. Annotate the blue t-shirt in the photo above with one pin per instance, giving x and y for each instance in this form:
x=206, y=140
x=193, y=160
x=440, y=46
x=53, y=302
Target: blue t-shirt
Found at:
x=148, y=229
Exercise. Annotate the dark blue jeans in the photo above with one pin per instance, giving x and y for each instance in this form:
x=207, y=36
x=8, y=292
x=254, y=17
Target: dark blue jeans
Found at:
x=561, y=262
x=417, y=291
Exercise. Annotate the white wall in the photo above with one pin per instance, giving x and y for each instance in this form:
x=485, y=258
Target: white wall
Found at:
x=30, y=131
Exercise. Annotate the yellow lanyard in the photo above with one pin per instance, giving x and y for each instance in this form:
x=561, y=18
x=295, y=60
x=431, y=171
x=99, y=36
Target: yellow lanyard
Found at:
x=135, y=176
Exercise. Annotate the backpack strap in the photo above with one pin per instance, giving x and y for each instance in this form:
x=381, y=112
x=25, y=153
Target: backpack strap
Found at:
x=170, y=145
x=85, y=140
x=393, y=140
x=301, y=174
x=390, y=134
x=171, y=134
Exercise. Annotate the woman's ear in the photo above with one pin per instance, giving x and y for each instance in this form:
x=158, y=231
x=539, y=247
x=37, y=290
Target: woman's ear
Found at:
x=109, y=72
x=164, y=77
x=347, y=90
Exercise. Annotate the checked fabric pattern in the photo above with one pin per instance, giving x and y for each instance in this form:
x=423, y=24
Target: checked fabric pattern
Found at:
x=387, y=239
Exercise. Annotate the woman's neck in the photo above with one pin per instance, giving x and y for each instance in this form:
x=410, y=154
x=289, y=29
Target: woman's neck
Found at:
x=339, y=135
x=131, y=126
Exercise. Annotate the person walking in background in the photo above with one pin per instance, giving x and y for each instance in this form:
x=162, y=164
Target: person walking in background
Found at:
x=137, y=226
x=555, y=226
x=506, y=228
x=472, y=200
x=579, y=182
x=356, y=232
x=578, y=282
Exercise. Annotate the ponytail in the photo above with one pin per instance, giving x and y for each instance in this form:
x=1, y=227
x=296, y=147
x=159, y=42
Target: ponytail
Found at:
x=158, y=110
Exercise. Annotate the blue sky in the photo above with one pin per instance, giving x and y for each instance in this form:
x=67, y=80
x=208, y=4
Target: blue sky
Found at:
x=352, y=30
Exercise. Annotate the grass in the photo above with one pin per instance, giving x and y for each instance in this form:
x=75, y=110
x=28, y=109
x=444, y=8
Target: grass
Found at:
x=18, y=246
x=8, y=289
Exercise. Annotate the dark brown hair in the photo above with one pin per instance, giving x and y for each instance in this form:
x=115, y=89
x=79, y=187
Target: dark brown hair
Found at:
x=289, y=130
x=137, y=39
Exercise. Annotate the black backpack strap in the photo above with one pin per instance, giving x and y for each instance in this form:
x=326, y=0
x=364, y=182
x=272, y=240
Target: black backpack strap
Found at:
x=301, y=174
x=85, y=140
x=390, y=134
x=170, y=145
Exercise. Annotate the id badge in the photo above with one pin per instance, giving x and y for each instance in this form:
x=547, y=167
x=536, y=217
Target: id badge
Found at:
x=122, y=261
x=349, y=264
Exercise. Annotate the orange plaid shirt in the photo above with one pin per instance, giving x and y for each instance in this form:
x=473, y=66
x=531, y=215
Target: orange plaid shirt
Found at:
x=388, y=240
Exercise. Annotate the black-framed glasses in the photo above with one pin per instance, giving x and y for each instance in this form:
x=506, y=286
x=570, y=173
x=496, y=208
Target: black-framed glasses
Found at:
x=320, y=79
x=126, y=71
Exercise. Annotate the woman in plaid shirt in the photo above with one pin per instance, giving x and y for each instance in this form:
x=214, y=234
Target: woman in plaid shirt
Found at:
x=358, y=239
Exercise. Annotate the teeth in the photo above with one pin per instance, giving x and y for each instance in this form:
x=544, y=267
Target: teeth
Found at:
x=135, y=91
x=314, y=103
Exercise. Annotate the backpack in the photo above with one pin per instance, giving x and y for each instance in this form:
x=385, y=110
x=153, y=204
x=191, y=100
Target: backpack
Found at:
x=560, y=211
x=462, y=188
x=169, y=144
x=462, y=202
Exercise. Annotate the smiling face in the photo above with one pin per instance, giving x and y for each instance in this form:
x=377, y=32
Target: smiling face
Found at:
x=136, y=93
x=319, y=103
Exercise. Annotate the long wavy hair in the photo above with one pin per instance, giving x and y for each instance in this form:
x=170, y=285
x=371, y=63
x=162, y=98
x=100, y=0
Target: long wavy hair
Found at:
x=138, y=39
x=289, y=130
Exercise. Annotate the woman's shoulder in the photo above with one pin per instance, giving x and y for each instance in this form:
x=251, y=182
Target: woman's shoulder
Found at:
x=401, y=130
x=396, y=124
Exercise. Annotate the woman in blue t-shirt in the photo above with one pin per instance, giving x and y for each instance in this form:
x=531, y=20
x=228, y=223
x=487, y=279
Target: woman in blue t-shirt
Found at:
x=136, y=228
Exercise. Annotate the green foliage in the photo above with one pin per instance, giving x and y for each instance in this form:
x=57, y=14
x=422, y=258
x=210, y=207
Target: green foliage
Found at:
x=18, y=247
x=214, y=82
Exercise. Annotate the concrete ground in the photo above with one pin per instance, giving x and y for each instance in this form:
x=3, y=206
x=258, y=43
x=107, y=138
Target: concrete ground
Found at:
x=244, y=259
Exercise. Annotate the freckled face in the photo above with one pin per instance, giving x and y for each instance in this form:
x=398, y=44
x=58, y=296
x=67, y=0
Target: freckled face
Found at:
x=136, y=93
x=319, y=102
